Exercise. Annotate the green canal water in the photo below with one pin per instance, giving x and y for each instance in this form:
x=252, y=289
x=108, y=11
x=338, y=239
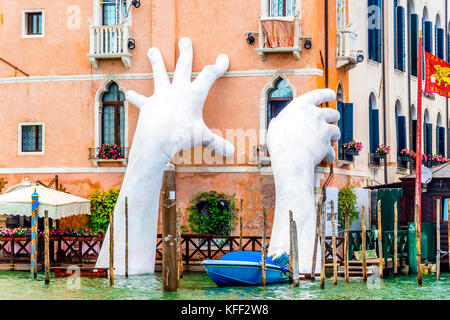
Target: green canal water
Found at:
x=197, y=286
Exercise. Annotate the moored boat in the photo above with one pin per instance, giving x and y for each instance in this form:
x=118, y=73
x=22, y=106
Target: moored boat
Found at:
x=239, y=268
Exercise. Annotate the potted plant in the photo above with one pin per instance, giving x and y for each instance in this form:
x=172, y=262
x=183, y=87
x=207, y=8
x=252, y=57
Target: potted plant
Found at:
x=347, y=204
x=382, y=151
x=352, y=148
x=407, y=155
x=110, y=152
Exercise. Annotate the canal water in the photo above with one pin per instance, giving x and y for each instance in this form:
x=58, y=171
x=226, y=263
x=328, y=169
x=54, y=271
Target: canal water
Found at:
x=197, y=286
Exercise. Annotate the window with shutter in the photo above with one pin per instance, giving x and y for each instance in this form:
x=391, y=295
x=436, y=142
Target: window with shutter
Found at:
x=113, y=116
x=374, y=26
x=400, y=39
x=414, y=43
x=374, y=134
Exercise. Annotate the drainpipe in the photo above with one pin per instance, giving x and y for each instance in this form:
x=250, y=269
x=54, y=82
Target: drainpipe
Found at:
x=446, y=99
x=384, y=65
x=408, y=32
x=326, y=46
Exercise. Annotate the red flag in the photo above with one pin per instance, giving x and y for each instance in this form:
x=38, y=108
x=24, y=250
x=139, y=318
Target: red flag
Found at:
x=437, y=76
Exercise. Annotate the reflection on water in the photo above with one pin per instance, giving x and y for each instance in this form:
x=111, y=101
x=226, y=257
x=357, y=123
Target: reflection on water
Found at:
x=197, y=286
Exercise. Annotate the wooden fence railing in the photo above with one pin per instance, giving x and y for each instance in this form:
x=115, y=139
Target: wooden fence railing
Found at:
x=85, y=250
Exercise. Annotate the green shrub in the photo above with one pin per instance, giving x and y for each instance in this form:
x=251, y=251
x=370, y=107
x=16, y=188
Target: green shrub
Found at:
x=212, y=213
x=347, y=202
x=102, y=203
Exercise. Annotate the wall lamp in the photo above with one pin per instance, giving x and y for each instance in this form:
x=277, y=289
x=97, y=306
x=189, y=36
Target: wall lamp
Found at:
x=131, y=44
x=251, y=36
x=360, y=58
x=307, y=43
x=136, y=3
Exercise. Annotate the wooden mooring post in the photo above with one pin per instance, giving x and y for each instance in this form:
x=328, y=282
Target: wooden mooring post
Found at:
x=46, y=249
x=293, y=256
x=169, y=231
x=111, y=248
x=179, y=252
x=241, y=221
x=11, y=255
x=333, y=243
x=291, y=248
x=126, y=237
x=263, y=248
x=380, y=240
x=316, y=240
x=438, y=239
x=363, y=244
x=396, y=240
x=418, y=245
x=322, y=249
x=346, y=235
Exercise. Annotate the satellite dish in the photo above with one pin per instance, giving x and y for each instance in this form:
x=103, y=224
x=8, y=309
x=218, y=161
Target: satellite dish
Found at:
x=426, y=175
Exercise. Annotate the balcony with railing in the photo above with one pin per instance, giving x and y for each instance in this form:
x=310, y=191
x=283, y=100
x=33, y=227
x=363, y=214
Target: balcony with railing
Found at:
x=110, y=42
x=111, y=157
x=348, y=53
x=279, y=35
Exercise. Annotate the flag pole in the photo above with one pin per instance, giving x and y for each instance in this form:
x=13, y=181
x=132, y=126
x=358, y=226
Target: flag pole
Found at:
x=418, y=182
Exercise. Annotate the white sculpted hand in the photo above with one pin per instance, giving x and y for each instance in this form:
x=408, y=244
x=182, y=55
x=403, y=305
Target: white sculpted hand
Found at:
x=299, y=138
x=174, y=114
x=169, y=121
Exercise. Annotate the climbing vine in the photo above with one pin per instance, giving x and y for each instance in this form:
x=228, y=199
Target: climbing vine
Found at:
x=212, y=213
x=102, y=203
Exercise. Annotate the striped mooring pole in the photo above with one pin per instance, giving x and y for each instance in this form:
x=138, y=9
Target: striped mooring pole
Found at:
x=34, y=232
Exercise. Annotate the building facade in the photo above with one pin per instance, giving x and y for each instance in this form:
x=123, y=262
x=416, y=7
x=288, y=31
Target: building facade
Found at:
x=385, y=86
x=65, y=67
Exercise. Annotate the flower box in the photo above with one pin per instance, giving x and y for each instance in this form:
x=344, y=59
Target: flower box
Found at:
x=380, y=155
x=351, y=152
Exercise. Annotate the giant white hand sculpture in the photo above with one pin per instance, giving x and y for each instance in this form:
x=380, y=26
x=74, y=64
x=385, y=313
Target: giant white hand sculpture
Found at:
x=169, y=121
x=299, y=138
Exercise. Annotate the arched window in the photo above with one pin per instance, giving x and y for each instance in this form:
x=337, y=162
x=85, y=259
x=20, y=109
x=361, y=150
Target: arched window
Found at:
x=400, y=122
x=113, y=116
x=399, y=37
x=439, y=36
x=414, y=39
x=279, y=98
x=413, y=127
x=427, y=134
x=282, y=8
x=374, y=126
x=440, y=136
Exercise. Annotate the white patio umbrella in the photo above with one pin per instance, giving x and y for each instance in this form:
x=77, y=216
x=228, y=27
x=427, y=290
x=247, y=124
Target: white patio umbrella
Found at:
x=58, y=204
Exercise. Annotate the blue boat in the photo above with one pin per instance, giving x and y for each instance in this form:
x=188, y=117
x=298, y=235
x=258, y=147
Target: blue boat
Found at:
x=240, y=268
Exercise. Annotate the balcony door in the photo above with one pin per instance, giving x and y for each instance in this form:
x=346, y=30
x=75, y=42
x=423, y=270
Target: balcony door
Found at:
x=282, y=8
x=113, y=116
x=113, y=12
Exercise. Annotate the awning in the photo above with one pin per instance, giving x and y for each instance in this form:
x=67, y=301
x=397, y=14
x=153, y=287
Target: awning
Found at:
x=58, y=204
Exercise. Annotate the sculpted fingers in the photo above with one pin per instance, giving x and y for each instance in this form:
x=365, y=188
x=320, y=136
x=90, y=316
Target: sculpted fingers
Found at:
x=183, y=70
x=331, y=115
x=211, y=73
x=217, y=144
x=330, y=156
x=318, y=96
x=335, y=133
x=159, y=69
x=136, y=99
